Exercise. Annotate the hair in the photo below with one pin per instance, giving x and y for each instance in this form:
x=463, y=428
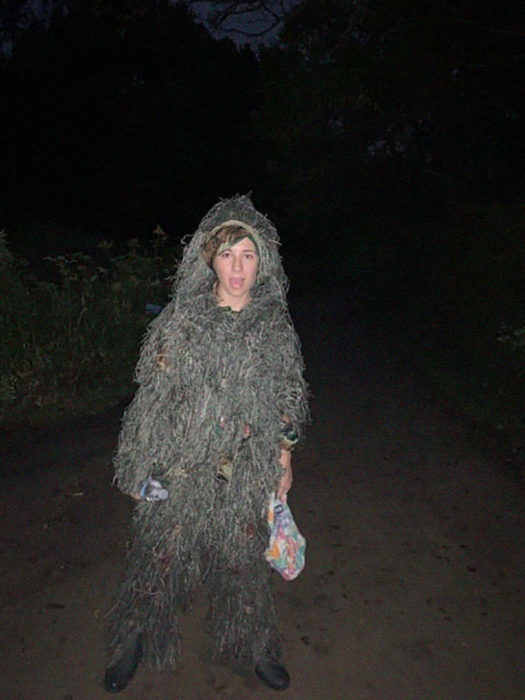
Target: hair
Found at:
x=225, y=236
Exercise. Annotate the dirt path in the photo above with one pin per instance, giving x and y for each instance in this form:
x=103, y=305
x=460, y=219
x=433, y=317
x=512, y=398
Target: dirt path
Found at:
x=413, y=585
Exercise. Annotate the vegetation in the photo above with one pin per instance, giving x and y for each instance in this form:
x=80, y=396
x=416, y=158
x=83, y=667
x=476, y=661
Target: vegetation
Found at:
x=71, y=334
x=466, y=330
x=384, y=138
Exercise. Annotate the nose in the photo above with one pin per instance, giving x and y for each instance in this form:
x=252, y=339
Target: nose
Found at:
x=237, y=263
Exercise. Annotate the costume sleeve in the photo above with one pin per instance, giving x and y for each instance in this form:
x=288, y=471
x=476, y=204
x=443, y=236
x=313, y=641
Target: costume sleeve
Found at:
x=146, y=443
x=293, y=392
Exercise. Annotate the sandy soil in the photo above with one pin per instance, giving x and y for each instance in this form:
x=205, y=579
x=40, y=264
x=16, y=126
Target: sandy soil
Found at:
x=414, y=577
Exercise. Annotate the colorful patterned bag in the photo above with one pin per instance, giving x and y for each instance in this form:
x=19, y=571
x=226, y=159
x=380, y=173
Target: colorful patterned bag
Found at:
x=287, y=546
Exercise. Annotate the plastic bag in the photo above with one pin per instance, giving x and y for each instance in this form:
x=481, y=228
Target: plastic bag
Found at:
x=286, y=549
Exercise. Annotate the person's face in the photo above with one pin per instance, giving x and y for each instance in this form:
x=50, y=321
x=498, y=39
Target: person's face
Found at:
x=236, y=270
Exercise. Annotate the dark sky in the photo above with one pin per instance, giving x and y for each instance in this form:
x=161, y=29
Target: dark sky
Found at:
x=247, y=24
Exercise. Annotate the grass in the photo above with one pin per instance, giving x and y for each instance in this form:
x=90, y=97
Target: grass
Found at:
x=71, y=332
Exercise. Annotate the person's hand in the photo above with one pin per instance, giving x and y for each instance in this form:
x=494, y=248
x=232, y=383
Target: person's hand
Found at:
x=285, y=484
x=151, y=491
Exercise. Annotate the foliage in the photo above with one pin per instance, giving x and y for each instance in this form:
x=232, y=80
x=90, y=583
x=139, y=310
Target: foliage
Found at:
x=514, y=337
x=70, y=336
x=121, y=109
x=399, y=106
x=384, y=138
x=465, y=321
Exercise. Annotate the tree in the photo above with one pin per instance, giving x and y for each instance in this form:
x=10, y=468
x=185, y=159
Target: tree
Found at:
x=17, y=16
x=378, y=117
x=434, y=83
x=419, y=95
x=119, y=122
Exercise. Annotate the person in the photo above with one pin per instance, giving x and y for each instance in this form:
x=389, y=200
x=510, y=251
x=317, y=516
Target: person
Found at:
x=204, y=445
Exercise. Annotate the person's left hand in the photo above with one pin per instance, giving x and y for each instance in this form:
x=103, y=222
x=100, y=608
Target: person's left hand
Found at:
x=285, y=484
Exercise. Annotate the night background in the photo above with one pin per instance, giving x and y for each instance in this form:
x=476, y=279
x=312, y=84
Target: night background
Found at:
x=385, y=141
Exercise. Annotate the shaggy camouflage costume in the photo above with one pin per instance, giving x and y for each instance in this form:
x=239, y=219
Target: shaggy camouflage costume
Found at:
x=214, y=387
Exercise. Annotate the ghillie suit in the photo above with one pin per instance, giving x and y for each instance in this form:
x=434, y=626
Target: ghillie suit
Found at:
x=219, y=391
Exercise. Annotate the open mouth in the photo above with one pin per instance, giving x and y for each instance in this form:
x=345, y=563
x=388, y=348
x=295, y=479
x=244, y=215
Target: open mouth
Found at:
x=236, y=282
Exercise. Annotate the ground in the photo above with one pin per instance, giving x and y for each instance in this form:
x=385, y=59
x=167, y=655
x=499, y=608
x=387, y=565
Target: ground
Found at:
x=414, y=575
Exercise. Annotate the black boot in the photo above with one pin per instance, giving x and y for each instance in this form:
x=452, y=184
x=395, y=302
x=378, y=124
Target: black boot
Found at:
x=118, y=676
x=272, y=673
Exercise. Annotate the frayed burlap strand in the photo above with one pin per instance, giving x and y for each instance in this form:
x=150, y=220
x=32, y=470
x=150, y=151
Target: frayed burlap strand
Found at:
x=214, y=385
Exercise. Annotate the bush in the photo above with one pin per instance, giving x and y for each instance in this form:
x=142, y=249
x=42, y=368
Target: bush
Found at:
x=71, y=333
x=472, y=339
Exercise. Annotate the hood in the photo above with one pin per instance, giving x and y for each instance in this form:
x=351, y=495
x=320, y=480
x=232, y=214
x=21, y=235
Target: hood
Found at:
x=194, y=277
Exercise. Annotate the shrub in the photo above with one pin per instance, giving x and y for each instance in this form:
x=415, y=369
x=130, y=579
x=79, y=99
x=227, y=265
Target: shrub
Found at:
x=71, y=333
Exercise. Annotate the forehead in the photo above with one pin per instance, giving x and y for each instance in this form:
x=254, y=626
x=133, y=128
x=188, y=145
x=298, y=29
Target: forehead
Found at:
x=245, y=244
